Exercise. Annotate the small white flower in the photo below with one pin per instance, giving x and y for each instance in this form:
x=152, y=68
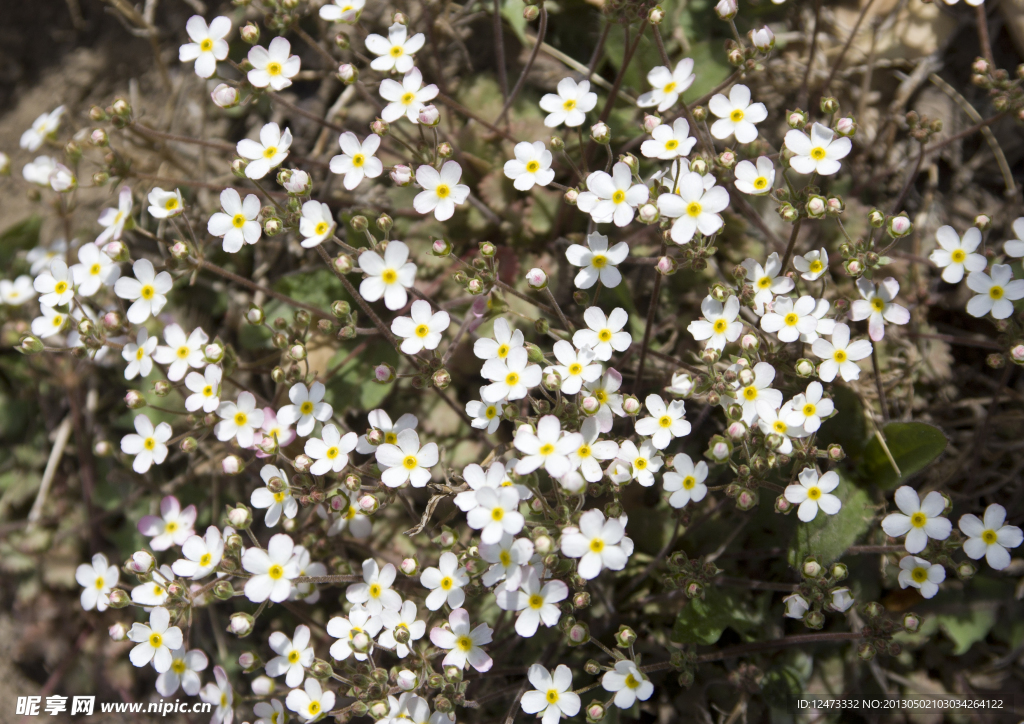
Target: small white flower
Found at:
x=62, y=179
x=812, y=493
x=406, y=98
x=766, y=280
x=56, y=285
x=155, y=641
x=995, y=294
x=598, y=543
x=406, y=460
x=239, y=222
x=278, y=503
x=669, y=142
x=202, y=554
x=147, y=291
x=841, y=599
x=667, y=85
x=840, y=355
x=267, y=153
x=508, y=557
x=665, y=423
x=820, y=153
x=603, y=333
x=239, y=420
x=505, y=340
x=570, y=106
x=43, y=128
x=809, y=407
x=756, y=180
x=536, y=603
x=485, y=415
x=268, y=713
x=221, y=696
x=628, y=684
x=695, y=206
x=307, y=407
x=463, y=644
x=359, y=621
x=97, y=580
x=920, y=574
x=294, y=656
x=445, y=581
x=643, y=461
x=403, y=619
x=736, y=115
x=796, y=606
x=720, y=324
x=990, y=537
x=549, y=447
x=575, y=366
x=379, y=420
x=272, y=570
x=316, y=223
x=172, y=527
x=50, y=323
x=773, y=422
x=114, y=220
x=592, y=452
x=812, y=264
x=1013, y=247
x=19, y=291
x=181, y=352
x=388, y=277
x=330, y=451
x=165, y=204
x=686, y=484
x=421, y=329
x=38, y=171
x=342, y=11
x=356, y=160
x=94, y=269
x=956, y=254
x=757, y=391
x=148, y=446
x=919, y=520
x=496, y=478
x=394, y=53
x=511, y=377
x=184, y=672
x=878, y=307
x=205, y=389
x=273, y=66
x=598, y=262
x=311, y=702
x=531, y=165
x=612, y=198
x=790, y=319
x=441, y=190
x=605, y=390
x=208, y=44
x=552, y=694
x=496, y=513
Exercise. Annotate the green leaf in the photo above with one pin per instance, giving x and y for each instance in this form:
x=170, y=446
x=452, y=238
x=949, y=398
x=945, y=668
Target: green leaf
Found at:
x=352, y=387
x=847, y=427
x=319, y=288
x=704, y=621
x=23, y=235
x=913, y=446
x=969, y=628
x=828, y=536
x=512, y=11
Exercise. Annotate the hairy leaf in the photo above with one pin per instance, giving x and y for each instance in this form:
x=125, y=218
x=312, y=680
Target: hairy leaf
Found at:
x=913, y=446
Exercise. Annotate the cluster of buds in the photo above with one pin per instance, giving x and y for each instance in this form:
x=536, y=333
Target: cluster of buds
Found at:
x=692, y=577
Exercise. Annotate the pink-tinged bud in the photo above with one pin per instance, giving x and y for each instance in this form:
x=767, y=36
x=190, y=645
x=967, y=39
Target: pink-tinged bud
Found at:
x=655, y=15
x=231, y=465
x=899, y=226
x=571, y=196
x=179, y=250
x=1017, y=353
x=816, y=207
x=980, y=65
x=590, y=405
x=102, y=449
x=783, y=506
x=224, y=96
x=62, y=179
x=263, y=686
x=804, y=367
x=255, y=315
x=134, y=400
x=240, y=517
x=797, y=119
x=854, y=268
x=750, y=342
x=384, y=373
x=298, y=182
x=720, y=451
x=736, y=431
x=116, y=250
x=726, y=9
x=118, y=632
x=763, y=39
x=441, y=247
x=348, y=73
x=240, y=624
x=573, y=482
x=600, y=132
x=250, y=33
x=666, y=266
x=846, y=126
x=368, y=504
x=401, y=175
x=141, y=562
x=983, y=222
x=836, y=206
x=649, y=214
x=302, y=464
x=536, y=278
x=99, y=137
x=445, y=150
x=406, y=680
x=214, y=353
x=268, y=445
x=429, y=115
x=631, y=405
x=409, y=566
x=650, y=123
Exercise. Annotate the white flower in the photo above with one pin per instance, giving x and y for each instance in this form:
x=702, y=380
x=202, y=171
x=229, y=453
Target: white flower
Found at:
x=796, y=606
x=642, y=462
x=809, y=407
x=396, y=52
x=531, y=165
x=205, y=389
x=665, y=423
x=239, y=420
x=44, y=127
x=208, y=44
x=919, y=520
x=878, y=307
x=294, y=656
x=272, y=569
x=50, y=323
x=511, y=378
x=812, y=493
x=536, y=603
x=791, y=319
x=165, y=204
x=841, y=599
x=695, y=206
x=441, y=190
x=94, y=269
x=552, y=694
x=184, y=672
x=114, y=220
x=757, y=391
x=221, y=696
x=818, y=154
x=138, y=354
x=766, y=280
x=202, y=554
x=719, y=325
x=605, y=390
x=509, y=557
x=17, y=292
x=342, y=11
x=379, y=420
x=575, y=368
x=445, y=581
x=612, y=198
x=275, y=503
x=62, y=179
x=388, y=277
x=957, y=254
x=598, y=543
x=330, y=452
x=421, y=329
x=307, y=407
x=404, y=619
x=463, y=644
x=273, y=66
x=667, y=85
x=406, y=98
x=267, y=153
x=736, y=115
x=485, y=415
x=147, y=291
x=356, y=160
x=39, y=171
x=988, y=537
x=172, y=527
x=311, y=702
x=670, y=142
x=773, y=422
x=995, y=294
x=181, y=352
x=628, y=684
x=148, y=446
x=840, y=354
x=812, y=264
x=269, y=713
x=755, y=180
x=505, y=340
x=918, y=573
x=549, y=447
x=570, y=106
x=495, y=478
x=591, y=451
x=603, y=334
x=316, y=223
x=1013, y=247
x=56, y=286
x=97, y=580
x=496, y=512
x=406, y=460
x=598, y=262
x=686, y=484
x=155, y=641
x=239, y=223
x=359, y=621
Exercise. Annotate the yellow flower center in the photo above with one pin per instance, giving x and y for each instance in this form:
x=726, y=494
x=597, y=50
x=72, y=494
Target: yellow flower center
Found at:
x=238, y=221
x=817, y=153
x=791, y=319
x=156, y=640
x=996, y=292
x=293, y=656
x=464, y=643
x=275, y=571
x=584, y=451
x=409, y=462
x=170, y=526
x=322, y=228
x=750, y=393
x=719, y=326
x=599, y=261
x=816, y=266
x=604, y=335
x=764, y=282
x=171, y=203
x=422, y=330
x=358, y=160
x=546, y=449
x=780, y=427
x=569, y=104
x=575, y=368
x=919, y=574
x=813, y=492
x=502, y=351
x=689, y=482
x=206, y=46
x=958, y=256
x=183, y=352
x=810, y=409
x=490, y=412
x=149, y=443
x=533, y=166
x=671, y=145
x=95, y=269
x=512, y=379
x=397, y=51
x=332, y=452
x=497, y=513
x=631, y=681
x=596, y=545
x=618, y=197
x=640, y=463
x=314, y=707
x=408, y=98
x=178, y=666
x=147, y=292
x=760, y=183
x=536, y=601
x=390, y=437
x=989, y=536
x=669, y=87
x=274, y=68
x=918, y=520
x=552, y=696
x=389, y=276
x=693, y=209
x=58, y=320
x=736, y=116
x=442, y=191
x=269, y=151
x=241, y=418
x=279, y=497
x=601, y=396
x=665, y=421
x=505, y=557
x=877, y=303
x=140, y=353
x=306, y=408
x=99, y=582
x=375, y=590
x=839, y=356
x=204, y=560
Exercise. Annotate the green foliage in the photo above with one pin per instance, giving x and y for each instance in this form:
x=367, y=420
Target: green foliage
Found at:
x=318, y=288
x=847, y=427
x=828, y=536
x=704, y=621
x=913, y=446
x=23, y=235
x=351, y=387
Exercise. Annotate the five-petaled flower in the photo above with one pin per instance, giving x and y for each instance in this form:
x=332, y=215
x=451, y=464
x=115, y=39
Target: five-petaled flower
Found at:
x=919, y=520
x=208, y=44
x=570, y=105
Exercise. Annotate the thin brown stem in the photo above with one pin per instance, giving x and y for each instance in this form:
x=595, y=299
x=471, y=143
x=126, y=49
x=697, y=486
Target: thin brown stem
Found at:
x=790, y=245
x=983, y=39
x=499, y=50
x=367, y=309
x=804, y=86
x=652, y=310
x=203, y=264
x=541, y=32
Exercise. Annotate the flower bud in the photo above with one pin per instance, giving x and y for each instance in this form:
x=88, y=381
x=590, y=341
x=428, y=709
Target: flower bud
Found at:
x=983, y=222
x=401, y=175
x=719, y=449
x=814, y=619
x=118, y=598
x=249, y=661
x=578, y=634
x=406, y=680
x=224, y=96
x=700, y=114
x=625, y=637
x=368, y=504
x=595, y=712
x=581, y=600
x=590, y=405
x=763, y=39
x=361, y=643
x=134, y=400
x=650, y=123
x=384, y=373
x=876, y=218
x=222, y=589
x=552, y=381
x=441, y=379
x=445, y=150
x=348, y=74
x=141, y=562
x=537, y=279
x=297, y=352
x=543, y=544
x=836, y=453
x=899, y=226
x=699, y=165
x=816, y=207
x=250, y=33
x=649, y=214
x=866, y=651
x=631, y=405
x=726, y=159
x=811, y=568
x=601, y=133
x=829, y=105
x=231, y=465
x=429, y=115
x=655, y=15
x=571, y=196
x=240, y=624
x=240, y=517
x=966, y=570
x=118, y=632
x=726, y=9
x=746, y=499
x=846, y=127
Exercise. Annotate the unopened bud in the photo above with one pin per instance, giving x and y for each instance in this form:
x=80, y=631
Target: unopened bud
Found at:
x=348, y=74
x=578, y=634
x=763, y=39
x=846, y=126
x=240, y=517
x=409, y=566
x=134, y=400
x=118, y=632
x=429, y=115
x=649, y=214
x=401, y=175
x=601, y=133
x=384, y=373
x=537, y=279
x=445, y=150
x=816, y=207
x=631, y=405
x=899, y=226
